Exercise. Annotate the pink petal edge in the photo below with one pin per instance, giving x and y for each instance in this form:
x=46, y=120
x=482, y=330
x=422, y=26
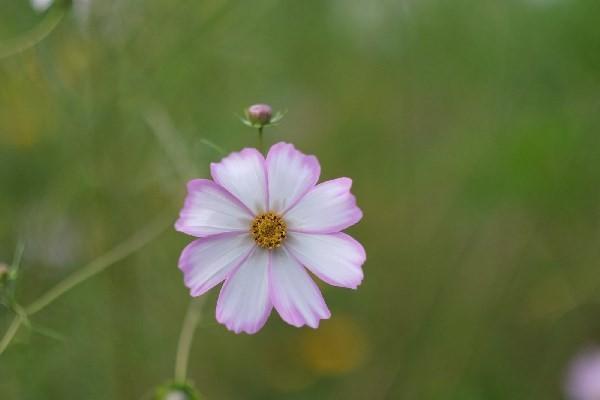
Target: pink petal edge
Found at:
x=244, y=187
x=348, y=273
x=195, y=187
x=310, y=212
x=288, y=308
x=221, y=272
x=290, y=175
x=235, y=323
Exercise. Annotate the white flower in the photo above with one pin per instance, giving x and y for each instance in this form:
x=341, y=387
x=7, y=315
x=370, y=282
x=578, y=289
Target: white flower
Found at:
x=260, y=223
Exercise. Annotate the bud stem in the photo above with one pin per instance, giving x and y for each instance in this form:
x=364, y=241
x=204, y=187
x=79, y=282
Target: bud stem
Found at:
x=261, y=146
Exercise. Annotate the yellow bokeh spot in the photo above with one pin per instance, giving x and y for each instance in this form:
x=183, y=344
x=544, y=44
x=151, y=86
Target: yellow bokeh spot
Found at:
x=338, y=346
x=26, y=108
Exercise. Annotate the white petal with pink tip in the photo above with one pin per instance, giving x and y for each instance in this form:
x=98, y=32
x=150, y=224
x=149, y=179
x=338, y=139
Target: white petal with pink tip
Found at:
x=294, y=294
x=206, y=262
x=209, y=209
x=244, y=304
x=326, y=208
x=335, y=258
x=243, y=174
x=290, y=174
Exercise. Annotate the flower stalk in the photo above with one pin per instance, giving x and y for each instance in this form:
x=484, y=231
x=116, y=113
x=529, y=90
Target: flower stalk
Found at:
x=137, y=241
x=260, y=116
x=35, y=35
x=11, y=332
x=190, y=322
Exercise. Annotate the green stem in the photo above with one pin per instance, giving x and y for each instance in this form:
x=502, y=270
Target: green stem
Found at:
x=168, y=136
x=13, y=273
x=213, y=146
x=123, y=250
x=35, y=35
x=190, y=322
x=261, y=146
x=10, y=332
x=18, y=255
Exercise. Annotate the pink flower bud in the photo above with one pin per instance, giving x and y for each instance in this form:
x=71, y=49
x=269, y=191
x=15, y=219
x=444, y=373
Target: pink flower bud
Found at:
x=259, y=114
x=4, y=274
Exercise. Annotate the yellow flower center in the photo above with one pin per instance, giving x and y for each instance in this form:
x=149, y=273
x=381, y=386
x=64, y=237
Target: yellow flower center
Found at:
x=268, y=230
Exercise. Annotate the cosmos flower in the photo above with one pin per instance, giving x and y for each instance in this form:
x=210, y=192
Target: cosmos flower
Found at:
x=260, y=222
x=583, y=378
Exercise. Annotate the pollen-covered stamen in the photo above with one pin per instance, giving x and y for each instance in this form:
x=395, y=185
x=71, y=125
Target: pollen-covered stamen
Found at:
x=268, y=230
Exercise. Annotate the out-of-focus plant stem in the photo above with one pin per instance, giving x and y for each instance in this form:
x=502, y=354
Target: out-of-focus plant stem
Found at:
x=137, y=241
x=34, y=36
x=167, y=134
x=190, y=322
x=11, y=332
x=213, y=146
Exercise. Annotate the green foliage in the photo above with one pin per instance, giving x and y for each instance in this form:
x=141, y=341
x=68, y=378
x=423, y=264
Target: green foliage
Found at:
x=469, y=128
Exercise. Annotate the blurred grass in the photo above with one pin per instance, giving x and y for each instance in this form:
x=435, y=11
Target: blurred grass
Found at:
x=470, y=129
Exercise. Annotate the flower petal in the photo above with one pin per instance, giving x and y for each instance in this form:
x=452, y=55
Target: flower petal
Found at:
x=294, y=294
x=243, y=174
x=206, y=262
x=290, y=174
x=329, y=207
x=244, y=304
x=210, y=209
x=335, y=258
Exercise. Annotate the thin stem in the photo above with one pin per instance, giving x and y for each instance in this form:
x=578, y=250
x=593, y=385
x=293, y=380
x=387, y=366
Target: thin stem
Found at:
x=190, y=322
x=261, y=146
x=14, y=268
x=18, y=255
x=165, y=131
x=35, y=35
x=20, y=319
x=11, y=332
x=121, y=251
x=213, y=146
x=136, y=242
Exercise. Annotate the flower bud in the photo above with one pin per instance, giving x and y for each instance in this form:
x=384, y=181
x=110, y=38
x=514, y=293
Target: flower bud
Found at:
x=259, y=114
x=176, y=395
x=176, y=391
x=4, y=280
x=4, y=272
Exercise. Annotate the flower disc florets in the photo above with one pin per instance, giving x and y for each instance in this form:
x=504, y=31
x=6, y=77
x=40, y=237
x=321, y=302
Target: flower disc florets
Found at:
x=268, y=230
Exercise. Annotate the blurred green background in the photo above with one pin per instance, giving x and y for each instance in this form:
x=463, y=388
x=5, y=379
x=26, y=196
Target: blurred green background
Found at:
x=470, y=128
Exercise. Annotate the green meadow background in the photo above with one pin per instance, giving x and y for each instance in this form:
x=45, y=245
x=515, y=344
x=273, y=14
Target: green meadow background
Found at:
x=471, y=130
